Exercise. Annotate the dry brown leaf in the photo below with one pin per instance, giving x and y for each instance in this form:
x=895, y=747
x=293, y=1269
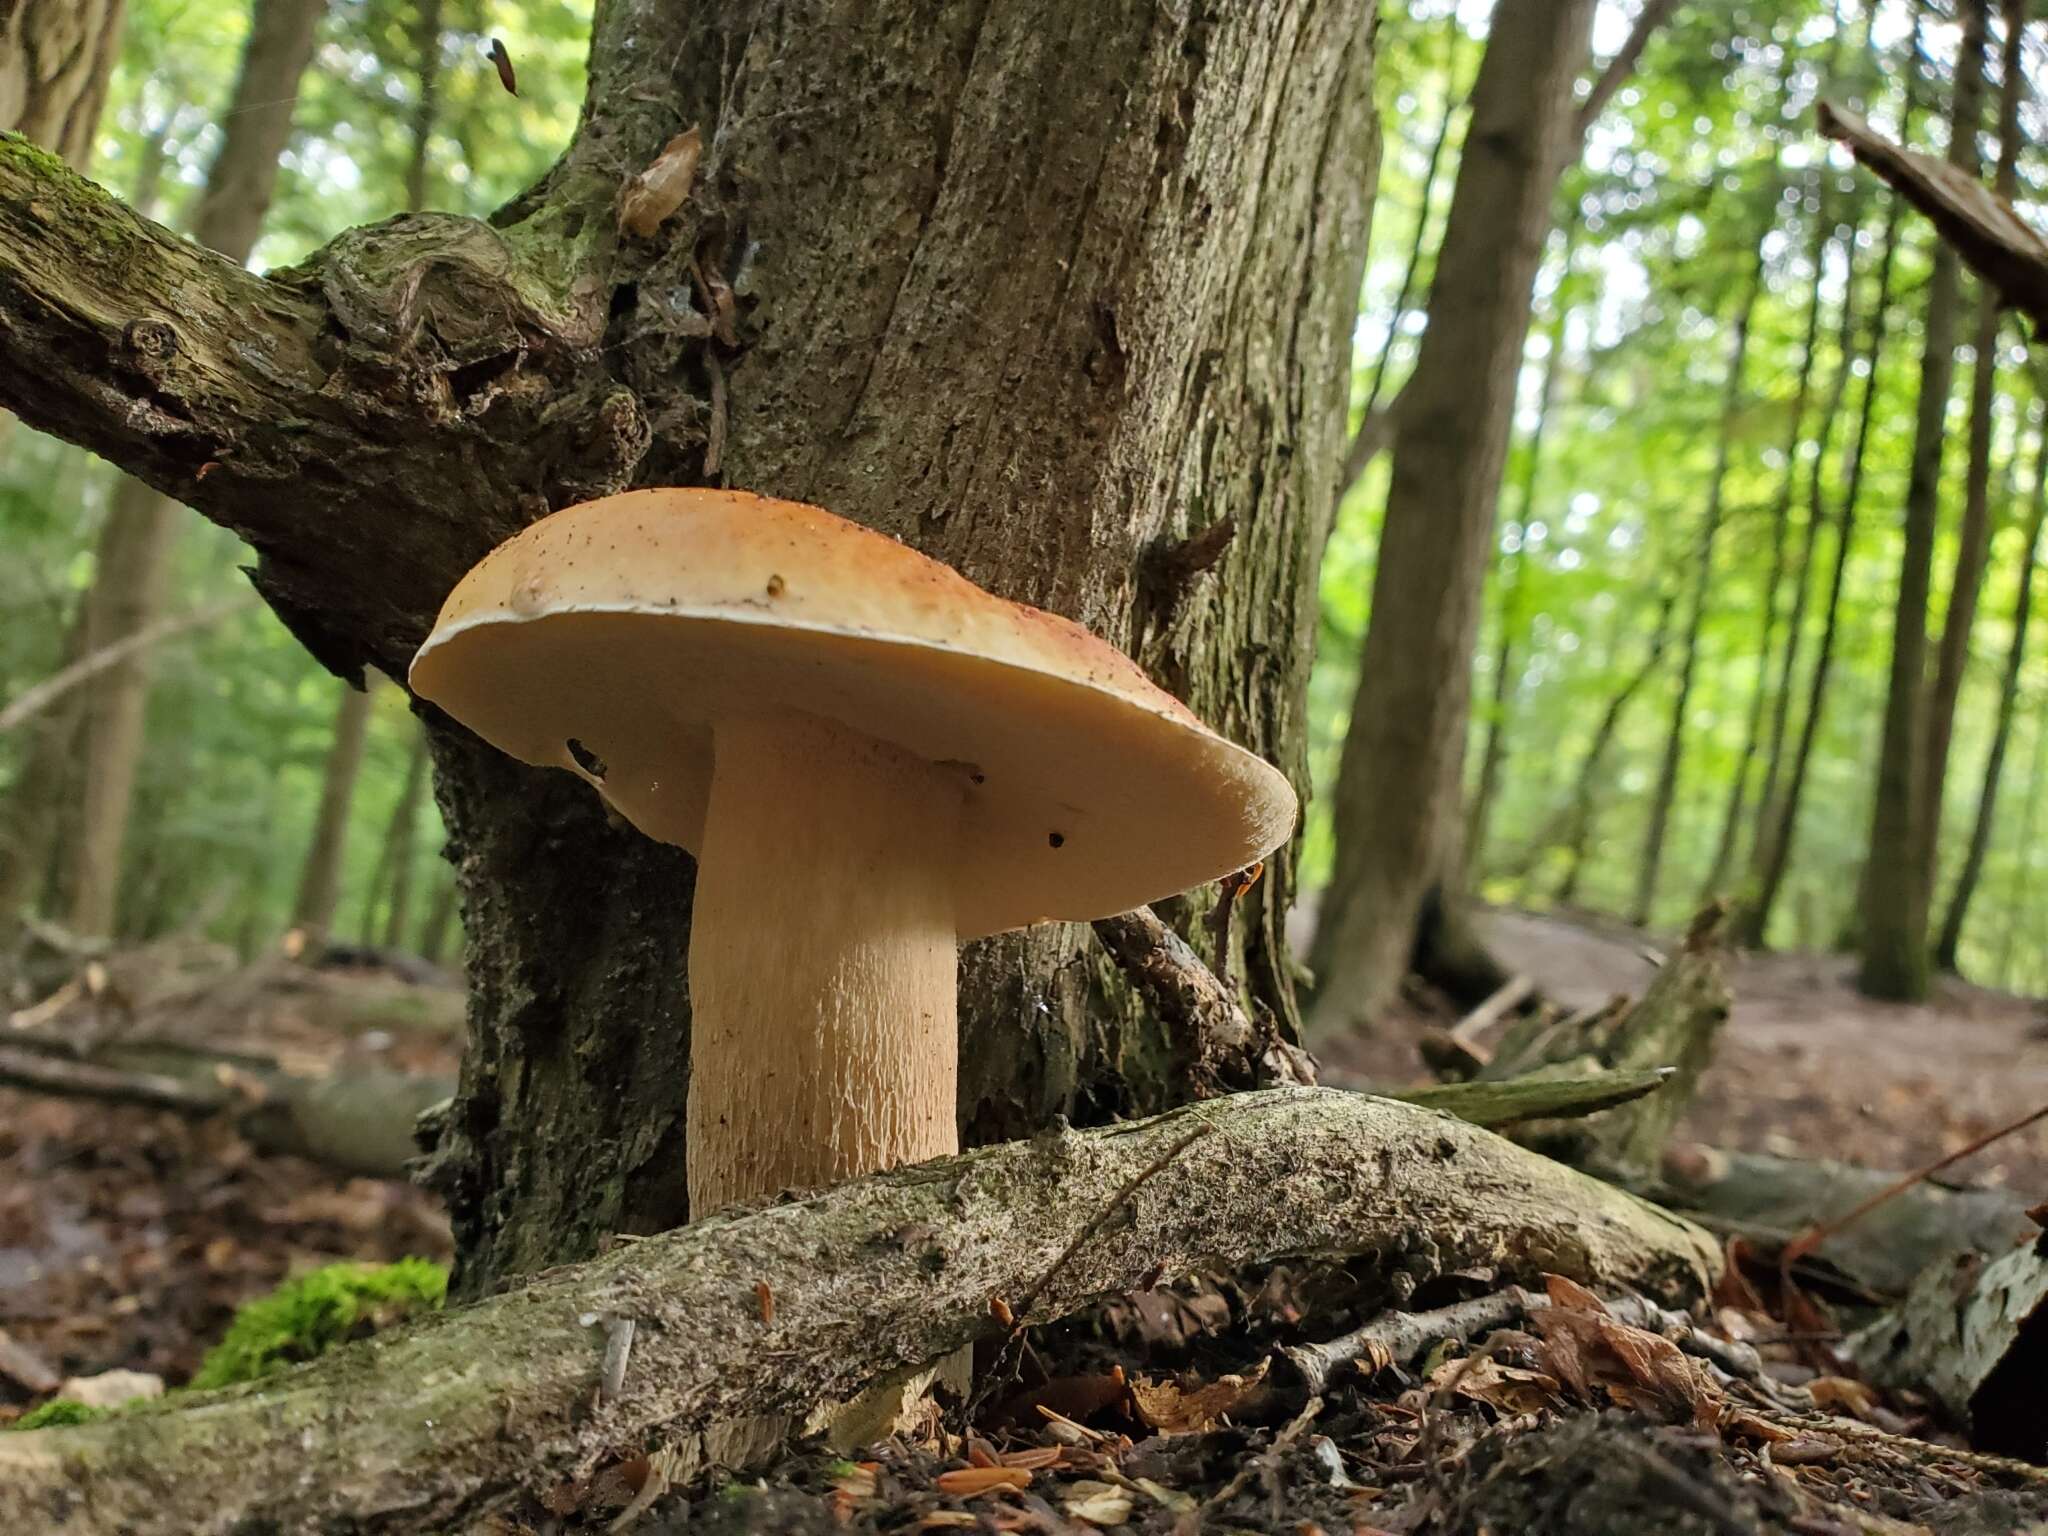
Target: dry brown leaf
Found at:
x=657, y=192
x=1755, y=1427
x=1840, y=1394
x=1174, y=1410
x=967, y=1482
x=1571, y=1295
x=1507, y=1389
x=1031, y=1458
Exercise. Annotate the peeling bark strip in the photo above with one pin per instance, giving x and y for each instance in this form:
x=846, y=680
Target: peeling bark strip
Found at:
x=1052, y=286
x=434, y=1428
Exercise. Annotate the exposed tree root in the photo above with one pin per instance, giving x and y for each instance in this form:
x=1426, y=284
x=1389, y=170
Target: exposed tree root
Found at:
x=770, y=1311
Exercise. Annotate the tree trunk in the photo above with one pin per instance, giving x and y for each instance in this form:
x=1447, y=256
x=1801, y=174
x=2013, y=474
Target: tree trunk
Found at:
x=2031, y=555
x=320, y=876
x=55, y=59
x=1666, y=795
x=1743, y=929
x=1041, y=376
x=1781, y=528
x=399, y=844
x=1400, y=780
x=133, y=556
x=1774, y=853
x=1493, y=755
x=1579, y=825
x=1973, y=538
x=1782, y=824
x=1895, y=905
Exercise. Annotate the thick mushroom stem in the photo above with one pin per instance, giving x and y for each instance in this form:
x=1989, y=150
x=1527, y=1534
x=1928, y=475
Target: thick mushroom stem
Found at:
x=823, y=960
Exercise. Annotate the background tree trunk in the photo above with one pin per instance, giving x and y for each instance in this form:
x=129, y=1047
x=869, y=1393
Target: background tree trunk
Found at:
x=1400, y=780
x=399, y=843
x=320, y=875
x=1950, y=943
x=1895, y=885
x=55, y=60
x=1652, y=862
x=135, y=544
x=1493, y=756
x=1973, y=538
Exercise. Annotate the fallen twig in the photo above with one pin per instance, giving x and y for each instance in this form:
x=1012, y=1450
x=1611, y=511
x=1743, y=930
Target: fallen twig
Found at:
x=1821, y=1231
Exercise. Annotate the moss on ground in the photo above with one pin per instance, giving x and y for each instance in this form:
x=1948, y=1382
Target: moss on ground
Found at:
x=305, y=1317
x=58, y=1412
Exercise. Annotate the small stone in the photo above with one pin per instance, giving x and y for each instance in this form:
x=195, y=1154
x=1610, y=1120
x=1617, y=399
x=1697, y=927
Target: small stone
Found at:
x=110, y=1389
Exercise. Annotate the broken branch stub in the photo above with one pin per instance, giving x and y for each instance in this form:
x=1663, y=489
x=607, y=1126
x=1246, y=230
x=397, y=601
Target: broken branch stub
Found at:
x=452, y=1419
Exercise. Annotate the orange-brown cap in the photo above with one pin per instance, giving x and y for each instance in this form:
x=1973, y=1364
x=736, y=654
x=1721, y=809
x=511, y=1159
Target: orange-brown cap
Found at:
x=606, y=638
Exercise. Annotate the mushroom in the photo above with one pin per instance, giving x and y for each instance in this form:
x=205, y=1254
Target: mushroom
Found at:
x=872, y=759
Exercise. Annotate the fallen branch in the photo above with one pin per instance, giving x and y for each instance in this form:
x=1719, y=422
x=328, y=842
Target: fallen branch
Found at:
x=1811, y=1239
x=1994, y=241
x=1770, y=1200
x=1522, y=1099
x=359, y=1120
x=444, y=1423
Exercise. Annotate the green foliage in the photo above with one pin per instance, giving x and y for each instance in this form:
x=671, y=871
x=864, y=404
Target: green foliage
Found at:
x=60, y=1413
x=304, y=1318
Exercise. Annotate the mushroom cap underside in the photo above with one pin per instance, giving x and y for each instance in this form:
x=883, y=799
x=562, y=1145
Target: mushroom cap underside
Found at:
x=607, y=638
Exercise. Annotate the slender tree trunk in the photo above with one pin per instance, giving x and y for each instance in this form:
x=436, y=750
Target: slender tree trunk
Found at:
x=426, y=107
x=2031, y=555
x=1973, y=538
x=56, y=57
x=320, y=875
x=1400, y=780
x=1652, y=861
x=1895, y=906
x=2015, y=904
x=134, y=550
x=1373, y=432
x=1769, y=800
x=1585, y=785
x=1753, y=924
x=399, y=846
x=1493, y=756
x=440, y=921
x=1781, y=526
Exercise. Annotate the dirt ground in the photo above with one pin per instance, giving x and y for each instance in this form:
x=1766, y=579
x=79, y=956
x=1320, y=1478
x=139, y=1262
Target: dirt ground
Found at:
x=1806, y=1065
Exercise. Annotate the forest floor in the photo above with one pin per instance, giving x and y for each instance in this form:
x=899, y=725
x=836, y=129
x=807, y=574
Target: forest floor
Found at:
x=1806, y=1066
x=128, y=1235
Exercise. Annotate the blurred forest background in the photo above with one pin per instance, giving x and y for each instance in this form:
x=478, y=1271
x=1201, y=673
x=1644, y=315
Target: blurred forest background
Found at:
x=1681, y=678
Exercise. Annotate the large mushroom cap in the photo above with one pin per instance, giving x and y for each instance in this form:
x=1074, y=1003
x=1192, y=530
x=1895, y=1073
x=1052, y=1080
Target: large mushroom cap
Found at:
x=606, y=638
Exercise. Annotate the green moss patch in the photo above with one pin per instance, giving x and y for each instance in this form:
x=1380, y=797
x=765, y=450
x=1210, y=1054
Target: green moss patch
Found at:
x=58, y=1412
x=304, y=1318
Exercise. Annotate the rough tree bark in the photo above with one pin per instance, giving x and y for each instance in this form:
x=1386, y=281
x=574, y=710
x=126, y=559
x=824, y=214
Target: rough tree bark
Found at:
x=131, y=565
x=1400, y=780
x=1973, y=536
x=1039, y=375
x=56, y=57
x=1950, y=943
x=444, y=1424
x=1665, y=796
x=1895, y=885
